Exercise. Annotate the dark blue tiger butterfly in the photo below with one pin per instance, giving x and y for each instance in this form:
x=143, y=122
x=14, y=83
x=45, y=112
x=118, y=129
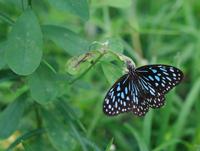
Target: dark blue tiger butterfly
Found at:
x=141, y=88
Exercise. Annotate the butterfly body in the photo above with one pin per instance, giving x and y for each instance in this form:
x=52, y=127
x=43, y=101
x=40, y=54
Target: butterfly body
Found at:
x=140, y=89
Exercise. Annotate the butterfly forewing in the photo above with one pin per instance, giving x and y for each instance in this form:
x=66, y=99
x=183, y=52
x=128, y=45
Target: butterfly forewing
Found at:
x=125, y=96
x=118, y=99
x=161, y=78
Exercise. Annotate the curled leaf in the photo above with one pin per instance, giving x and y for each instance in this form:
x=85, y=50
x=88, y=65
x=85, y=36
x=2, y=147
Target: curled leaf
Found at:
x=78, y=64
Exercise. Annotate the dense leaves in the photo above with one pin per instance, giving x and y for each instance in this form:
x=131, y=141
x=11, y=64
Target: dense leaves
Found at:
x=65, y=54
x=58, y=132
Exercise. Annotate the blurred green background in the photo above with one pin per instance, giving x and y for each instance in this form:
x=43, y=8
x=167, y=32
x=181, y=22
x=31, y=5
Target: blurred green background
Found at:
x=58, y=58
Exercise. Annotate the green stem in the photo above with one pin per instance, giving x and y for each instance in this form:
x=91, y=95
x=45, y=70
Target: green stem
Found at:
x=23, y=7
x=106, y=18
x=38, y=117
x=74, y=80
x=135, y=35
x=25, y=137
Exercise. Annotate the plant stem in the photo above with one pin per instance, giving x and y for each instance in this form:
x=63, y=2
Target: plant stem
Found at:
x=38, y=118
x=74, y=80
x=135, y=34
x=106, y=18
x=25, y=137
x=30, y=3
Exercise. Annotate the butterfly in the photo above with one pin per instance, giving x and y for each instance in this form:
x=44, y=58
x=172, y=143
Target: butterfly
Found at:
x=141, y=88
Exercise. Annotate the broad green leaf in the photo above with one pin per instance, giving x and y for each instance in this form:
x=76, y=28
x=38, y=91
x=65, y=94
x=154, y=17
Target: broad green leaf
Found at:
x=59, y=134
x=71, y=42
x=43, y=84
x=112, y=72
x=2, y=54
x=76, y=7
x=10, y=117
x=24, y=51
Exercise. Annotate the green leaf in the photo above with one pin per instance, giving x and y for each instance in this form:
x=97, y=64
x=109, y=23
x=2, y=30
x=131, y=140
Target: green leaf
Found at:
x=140, y=141
x=71, y=42
x=2, y=54
x=58, y=133
x=111, y=71
x=78, y=64
x=25, y=137
x=108, y=148
x=43, y=84
x=10, y=117
x=36, y=143
x=186, y=109
x=115, y=44
x=76, y=7
x=24, y=51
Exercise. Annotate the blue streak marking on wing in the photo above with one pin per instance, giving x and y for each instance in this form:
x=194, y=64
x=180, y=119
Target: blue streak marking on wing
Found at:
x=126, y=90
x=113, y=100
x=118, y=88
x=163, y=69
x=157, y=78
x=151, y=78
x=154, y=70
x=122, y=95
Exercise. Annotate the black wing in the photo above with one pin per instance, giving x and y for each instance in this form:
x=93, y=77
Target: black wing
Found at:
x=160, y=77
x=157, y=80
x=125, y=96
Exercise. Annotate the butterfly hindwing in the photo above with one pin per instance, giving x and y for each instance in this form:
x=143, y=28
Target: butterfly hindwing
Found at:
x=156, y=102
x=141, y=109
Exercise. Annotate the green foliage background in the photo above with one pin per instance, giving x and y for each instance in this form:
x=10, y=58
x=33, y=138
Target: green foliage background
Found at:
x=59, y=57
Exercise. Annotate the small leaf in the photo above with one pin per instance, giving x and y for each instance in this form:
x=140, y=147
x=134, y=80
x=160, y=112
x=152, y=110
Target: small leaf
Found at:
x=78, y=64
x=76, y=7
x=71, y=42
x=115, y=44
x=43, y=84
x=2, y=54
x=10, y=117
x=24, y=51
x=58, y=133
x=111, y=71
